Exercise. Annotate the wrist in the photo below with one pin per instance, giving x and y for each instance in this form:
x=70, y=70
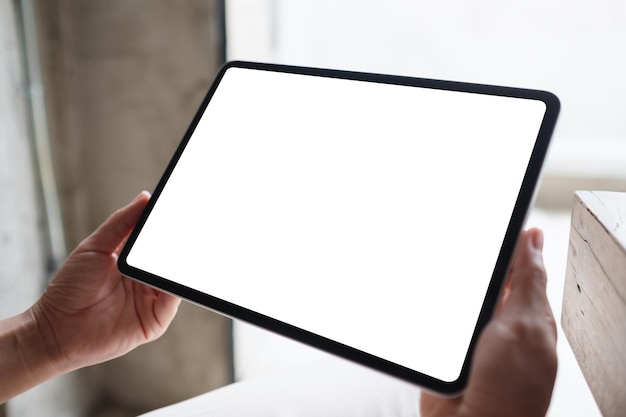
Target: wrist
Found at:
x=25, y=356
x=47, y=348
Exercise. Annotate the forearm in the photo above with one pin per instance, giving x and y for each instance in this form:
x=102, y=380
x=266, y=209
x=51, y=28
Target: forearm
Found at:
x=25, y=357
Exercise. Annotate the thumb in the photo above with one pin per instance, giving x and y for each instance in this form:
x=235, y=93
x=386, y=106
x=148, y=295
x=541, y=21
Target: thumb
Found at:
x=528, y=279
x=110, y=234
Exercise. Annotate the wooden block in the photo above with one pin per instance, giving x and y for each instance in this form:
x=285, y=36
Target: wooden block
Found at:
x=594, y=299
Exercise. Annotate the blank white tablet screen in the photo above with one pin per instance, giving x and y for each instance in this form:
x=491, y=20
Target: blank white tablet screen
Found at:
x=371, y=214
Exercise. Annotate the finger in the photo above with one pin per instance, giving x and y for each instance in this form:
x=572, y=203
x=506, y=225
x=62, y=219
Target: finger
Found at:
x=506, y=291
x=155, y=309
x=108, y=237
x=435, y=405
x=165, y=309
x=527, y=280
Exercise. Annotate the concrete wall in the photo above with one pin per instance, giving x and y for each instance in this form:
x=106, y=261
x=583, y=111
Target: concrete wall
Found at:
x=23, y=271
x=123, y=79
x=21, y=248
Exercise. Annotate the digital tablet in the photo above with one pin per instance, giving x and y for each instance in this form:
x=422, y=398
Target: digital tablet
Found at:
x=370, y=216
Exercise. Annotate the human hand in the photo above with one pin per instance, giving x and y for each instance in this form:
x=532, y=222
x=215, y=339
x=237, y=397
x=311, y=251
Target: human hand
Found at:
x=514, y=365
x=89, y=312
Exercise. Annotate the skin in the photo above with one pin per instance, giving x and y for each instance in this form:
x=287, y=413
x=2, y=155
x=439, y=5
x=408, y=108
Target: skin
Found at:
x=515, y=360
x=88, y=314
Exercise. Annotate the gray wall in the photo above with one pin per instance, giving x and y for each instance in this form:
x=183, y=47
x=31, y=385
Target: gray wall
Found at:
x=22, y=239
x=123, y=79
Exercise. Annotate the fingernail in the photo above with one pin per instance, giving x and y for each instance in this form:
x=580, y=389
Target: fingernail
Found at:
x=138, y=196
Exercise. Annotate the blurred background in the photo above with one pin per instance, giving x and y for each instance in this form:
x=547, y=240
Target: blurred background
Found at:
x=95, y=96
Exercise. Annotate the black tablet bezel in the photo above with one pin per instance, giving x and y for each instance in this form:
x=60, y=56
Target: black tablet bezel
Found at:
x=520, y=211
